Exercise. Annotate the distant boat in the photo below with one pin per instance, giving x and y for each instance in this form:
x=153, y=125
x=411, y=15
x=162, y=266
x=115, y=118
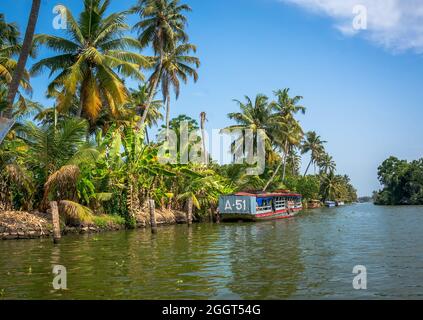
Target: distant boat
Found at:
x=330, y=204
x=340, y=203
x=313, y=204
x=255, y=206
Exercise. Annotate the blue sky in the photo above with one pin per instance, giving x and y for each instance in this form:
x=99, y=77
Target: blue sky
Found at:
x=363, y=91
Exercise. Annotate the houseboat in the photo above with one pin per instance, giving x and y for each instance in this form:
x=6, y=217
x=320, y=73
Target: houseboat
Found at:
x=255, y=206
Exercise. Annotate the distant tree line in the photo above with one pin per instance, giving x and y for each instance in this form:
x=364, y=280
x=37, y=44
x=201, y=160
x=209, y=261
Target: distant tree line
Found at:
x=402, y=182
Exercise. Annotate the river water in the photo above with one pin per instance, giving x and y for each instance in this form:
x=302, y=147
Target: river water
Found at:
x=311, y=256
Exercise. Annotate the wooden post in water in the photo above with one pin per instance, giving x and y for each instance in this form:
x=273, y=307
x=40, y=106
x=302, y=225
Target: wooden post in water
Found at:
x=56, y=222
x=189, y=215
x=153, y=221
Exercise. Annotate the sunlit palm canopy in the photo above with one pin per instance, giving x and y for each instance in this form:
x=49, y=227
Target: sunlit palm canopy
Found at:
x=92, y=60
x=327, y=164
x=255, y=116
x=9, y=49
x=177, y=65
x=162, y=23
x=138, y=102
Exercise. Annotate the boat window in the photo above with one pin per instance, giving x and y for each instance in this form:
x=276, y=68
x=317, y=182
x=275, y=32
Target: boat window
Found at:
x=280, y=202
x=264, y=204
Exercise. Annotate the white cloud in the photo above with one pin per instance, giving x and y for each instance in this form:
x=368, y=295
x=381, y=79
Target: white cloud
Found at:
x=396, y=25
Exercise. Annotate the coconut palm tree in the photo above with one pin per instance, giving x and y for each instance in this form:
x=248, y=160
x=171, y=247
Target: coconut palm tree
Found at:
x=314, y=144
x=255, y=116
x=9, y=47
x=294, y=160
x=330, y=186
x=50, y=147
x=8, y=31
x=287, y=130
x=92, y=60
x=286, y=106
x=175, y=66
x=162, y=24
x=23, y=57
x=326, y=164
x=138, y=103
x=54, y=153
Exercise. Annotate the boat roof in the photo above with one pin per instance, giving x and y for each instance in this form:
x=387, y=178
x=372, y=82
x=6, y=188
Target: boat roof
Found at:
x=283, y=193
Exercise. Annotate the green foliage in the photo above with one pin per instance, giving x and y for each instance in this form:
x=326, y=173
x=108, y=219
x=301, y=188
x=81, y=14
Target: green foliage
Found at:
x=104, y=170
x=91, y=61
x=402, y=182
x=308, y=186
x=104, y=221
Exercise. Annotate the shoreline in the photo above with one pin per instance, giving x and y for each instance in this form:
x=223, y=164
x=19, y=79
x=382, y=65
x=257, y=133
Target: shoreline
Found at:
x=21, y=225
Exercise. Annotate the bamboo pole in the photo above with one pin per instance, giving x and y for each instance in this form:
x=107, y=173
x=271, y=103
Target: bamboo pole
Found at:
x=56, y=222
x=153, y=221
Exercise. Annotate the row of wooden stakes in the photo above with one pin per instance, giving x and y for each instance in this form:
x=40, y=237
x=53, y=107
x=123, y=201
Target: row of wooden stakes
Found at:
x=152, y=208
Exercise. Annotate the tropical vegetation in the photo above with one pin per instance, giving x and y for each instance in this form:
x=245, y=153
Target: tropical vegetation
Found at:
x=93, y=151
x=402, y=182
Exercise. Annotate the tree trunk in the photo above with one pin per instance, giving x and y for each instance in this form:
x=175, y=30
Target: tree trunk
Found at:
x=167, y=116
x=147, y=136
x=151, y=96
x=273, y=176
x=203, y=137
x=23, y=57
x=283, y=162
x=308, y=167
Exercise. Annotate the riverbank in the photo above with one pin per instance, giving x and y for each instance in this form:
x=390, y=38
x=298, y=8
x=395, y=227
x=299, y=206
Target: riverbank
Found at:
x=31, y=225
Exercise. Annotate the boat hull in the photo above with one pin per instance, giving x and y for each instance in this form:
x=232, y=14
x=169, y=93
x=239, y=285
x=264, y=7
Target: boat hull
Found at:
x=281, y=214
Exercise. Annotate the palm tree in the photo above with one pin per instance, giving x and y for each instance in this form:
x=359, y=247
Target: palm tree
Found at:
x=286, y=106
x=254, y=116
x=287, y=130
x=313, y=144
x=173, y=67
x=327, y=164
x=294, y=159
x=138, y=102
x=162, y=25
x=23, y=57
x=54, y=155
x=9, y=47
x=330, y=186
x=91, y=60
x=8, y=31
x=51, y=147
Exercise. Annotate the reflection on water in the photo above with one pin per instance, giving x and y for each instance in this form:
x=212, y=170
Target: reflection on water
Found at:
x=310, y=256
